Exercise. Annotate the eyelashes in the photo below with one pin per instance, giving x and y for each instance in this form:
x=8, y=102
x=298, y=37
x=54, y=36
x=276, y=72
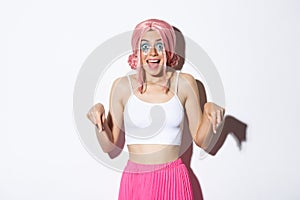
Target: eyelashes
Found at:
x=145, y=47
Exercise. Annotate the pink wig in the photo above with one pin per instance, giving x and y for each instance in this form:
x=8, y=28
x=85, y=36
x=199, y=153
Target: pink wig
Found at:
x=167, y=34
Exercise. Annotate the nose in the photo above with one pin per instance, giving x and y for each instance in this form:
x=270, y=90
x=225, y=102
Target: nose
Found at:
x=153, y=51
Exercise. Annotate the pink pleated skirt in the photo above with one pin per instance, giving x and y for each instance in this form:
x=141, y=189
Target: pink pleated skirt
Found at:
x=168, y=181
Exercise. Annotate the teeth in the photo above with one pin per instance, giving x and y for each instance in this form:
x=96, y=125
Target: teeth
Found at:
x=153, y=61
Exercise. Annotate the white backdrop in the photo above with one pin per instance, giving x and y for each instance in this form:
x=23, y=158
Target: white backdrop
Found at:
x=254, y=45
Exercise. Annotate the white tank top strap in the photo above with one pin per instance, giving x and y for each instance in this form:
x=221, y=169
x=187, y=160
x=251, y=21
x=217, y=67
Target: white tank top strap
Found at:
x=130, y=85
x=176, y=83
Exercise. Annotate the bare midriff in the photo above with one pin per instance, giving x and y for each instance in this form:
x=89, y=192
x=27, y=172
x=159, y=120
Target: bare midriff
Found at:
x=153, y=153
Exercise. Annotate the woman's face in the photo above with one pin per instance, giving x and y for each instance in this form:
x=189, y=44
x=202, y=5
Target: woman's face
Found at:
x=152, y=53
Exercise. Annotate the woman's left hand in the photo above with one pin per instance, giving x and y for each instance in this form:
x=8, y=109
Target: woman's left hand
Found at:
x=215, y=114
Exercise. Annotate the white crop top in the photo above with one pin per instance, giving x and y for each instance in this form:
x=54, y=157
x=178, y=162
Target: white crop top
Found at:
x=153, y=123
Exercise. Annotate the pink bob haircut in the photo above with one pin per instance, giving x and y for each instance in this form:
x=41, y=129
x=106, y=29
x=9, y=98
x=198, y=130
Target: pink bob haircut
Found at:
x=168, y=37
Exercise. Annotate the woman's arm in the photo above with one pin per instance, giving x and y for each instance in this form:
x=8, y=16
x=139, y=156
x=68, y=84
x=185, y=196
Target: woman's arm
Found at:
x=202, y=125
x=108, y=129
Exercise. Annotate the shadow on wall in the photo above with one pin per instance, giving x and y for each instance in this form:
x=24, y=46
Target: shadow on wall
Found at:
x=231, y=125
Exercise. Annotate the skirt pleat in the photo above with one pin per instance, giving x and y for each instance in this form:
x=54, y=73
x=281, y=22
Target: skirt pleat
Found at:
x=168, y=181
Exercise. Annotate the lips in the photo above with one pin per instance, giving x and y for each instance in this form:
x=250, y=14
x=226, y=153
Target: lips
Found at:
x=153, y=63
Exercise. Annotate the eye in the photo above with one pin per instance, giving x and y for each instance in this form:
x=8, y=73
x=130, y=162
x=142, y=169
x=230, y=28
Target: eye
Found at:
x=145, y=47
x=159, y=46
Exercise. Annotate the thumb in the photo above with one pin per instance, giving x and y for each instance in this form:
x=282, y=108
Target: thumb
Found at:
x=98, y=122
x=101, y=121
x=214, y=121
x=103, y=117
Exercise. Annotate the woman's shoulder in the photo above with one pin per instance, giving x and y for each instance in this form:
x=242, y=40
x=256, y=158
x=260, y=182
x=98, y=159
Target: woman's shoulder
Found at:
x=121, y=85
x=186, y=79
x=185, y=75
x=187, y=86
x=121, y=79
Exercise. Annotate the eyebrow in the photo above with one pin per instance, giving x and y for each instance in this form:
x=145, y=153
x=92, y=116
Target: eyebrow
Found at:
x=144, y=40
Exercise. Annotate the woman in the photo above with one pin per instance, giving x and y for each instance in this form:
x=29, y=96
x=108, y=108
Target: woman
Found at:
x=150, y=107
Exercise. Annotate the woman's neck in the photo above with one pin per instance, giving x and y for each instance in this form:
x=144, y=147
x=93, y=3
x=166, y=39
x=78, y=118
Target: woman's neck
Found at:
x=157, y=79
x=154, y=80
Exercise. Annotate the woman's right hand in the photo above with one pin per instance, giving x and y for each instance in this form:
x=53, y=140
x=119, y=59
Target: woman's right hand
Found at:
x=97, y=115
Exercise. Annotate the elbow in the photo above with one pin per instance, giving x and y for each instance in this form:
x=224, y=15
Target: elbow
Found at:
x=202, y=141
x=207, y=143
x=199, y=141
x=115, y=153
x=199, y=144
x=106, y=146
x=203, y=136
x=113, y=149
x=202, y=145
x=106, y=149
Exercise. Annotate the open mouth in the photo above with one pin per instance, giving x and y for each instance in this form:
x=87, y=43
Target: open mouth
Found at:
x=153, y=61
